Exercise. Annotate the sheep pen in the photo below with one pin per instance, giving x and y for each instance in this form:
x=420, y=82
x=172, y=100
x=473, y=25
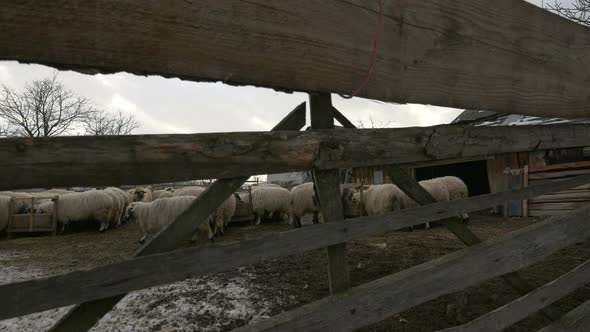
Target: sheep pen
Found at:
x=224, y=301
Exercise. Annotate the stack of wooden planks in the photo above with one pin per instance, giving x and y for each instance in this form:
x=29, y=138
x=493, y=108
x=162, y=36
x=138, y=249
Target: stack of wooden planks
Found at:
x=563, y=201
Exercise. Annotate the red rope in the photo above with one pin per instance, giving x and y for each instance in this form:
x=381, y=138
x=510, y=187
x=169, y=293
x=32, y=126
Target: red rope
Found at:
x=374, y=53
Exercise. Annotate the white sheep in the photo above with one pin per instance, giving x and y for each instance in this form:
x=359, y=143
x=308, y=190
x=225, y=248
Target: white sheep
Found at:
x=457, y=190
x=381, y=199
x=221, y=216
x=4, y=208
x=168, y=192
x=93, y=205
x=154, y=216
x=21, y=205
x=303, y=201
x=270, y=200
x=435, y=188
x=120, y=202
x=142, y=194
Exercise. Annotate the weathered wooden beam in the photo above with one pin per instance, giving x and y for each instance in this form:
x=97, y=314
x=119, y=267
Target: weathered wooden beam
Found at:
x=501, y=318
x=327, y=190
x=83, y=316
x=577, y=320
x=408, y=185
x=343, y=120
x=387, y=296
x=295, y=120
x=117, y=160
x=141, y=272
x=455, y=53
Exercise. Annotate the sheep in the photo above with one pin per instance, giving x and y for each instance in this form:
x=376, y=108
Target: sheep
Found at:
x=270, y=199
x=4, y=203
x=20, y=206
x=155, y=215
x=120, y=203
x=221, y=216
x=381, y=199
x=168, y=192
x=351, y=200
x=93, y=205
x=273, y=185
x=302, y=201
x=435, y=188
x=142, y=194
x=194, y=191
x=164, y=194
x=457, y=190
x=56, y=192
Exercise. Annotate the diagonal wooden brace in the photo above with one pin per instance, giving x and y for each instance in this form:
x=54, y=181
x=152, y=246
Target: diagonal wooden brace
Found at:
x=83, y=316
x=411, y=187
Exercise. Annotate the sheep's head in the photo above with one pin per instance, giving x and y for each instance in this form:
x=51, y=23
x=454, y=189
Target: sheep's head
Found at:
x=130, y=212
x=44, y=208
x=138, y=194
x=351, y=202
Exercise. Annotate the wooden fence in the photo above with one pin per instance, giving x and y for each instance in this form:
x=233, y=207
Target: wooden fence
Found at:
x=445, y=52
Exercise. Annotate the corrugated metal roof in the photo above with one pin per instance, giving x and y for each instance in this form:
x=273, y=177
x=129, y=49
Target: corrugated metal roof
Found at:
x=488, y=118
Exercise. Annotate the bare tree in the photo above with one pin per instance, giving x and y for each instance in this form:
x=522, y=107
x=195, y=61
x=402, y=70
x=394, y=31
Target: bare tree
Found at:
x=6, y=130
x=575, y=10
x=44, y=108
x=105, y=123
x=372, y=123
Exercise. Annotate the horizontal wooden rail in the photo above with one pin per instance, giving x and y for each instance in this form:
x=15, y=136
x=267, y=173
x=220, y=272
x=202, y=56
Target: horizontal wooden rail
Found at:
x=116, y=160
x=46, y=293
x=553, y=175
x=573, y=165
x=503, y=317
x=387, y=296
x=502, y=55
x=577, y=320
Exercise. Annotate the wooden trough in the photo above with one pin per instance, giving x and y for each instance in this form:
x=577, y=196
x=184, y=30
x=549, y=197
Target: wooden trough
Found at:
x=31, y=222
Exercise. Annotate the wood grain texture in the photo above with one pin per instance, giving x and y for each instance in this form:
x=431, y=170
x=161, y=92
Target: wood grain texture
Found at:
x=577, y=320
x=327, y=190
x=141, y=272
x=507, y=56
x=118, y=160
x=387, y=296
x=503, y=317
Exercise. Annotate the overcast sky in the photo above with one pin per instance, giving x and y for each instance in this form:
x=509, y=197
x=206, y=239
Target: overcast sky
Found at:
x=174, y=106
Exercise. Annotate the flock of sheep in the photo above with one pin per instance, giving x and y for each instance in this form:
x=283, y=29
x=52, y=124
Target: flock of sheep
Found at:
x=154, y=209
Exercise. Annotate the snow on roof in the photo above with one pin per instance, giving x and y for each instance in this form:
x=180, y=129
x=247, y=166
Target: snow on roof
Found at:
x=488, y=118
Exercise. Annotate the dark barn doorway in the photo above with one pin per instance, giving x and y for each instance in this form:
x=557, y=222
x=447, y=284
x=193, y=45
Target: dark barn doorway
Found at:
x=473, y=173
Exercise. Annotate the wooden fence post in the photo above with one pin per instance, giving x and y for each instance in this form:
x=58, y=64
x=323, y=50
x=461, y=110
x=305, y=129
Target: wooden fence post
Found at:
x=327, y=188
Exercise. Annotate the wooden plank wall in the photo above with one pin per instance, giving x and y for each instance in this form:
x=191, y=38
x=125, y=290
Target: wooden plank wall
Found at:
x=560, y=202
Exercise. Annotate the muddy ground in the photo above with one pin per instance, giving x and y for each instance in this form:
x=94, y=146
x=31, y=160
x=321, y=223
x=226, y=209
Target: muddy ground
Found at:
x=228, y=300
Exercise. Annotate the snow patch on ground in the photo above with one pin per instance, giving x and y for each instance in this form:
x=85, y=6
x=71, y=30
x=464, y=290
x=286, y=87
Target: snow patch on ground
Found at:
x=219, y=302
x=40, y=321
x=215, y=303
